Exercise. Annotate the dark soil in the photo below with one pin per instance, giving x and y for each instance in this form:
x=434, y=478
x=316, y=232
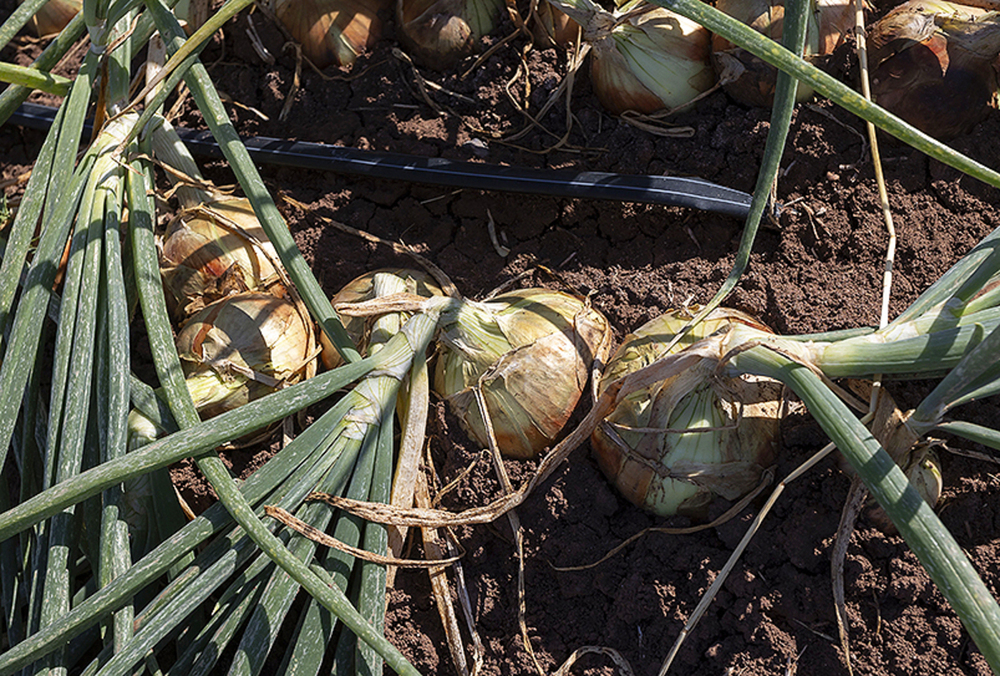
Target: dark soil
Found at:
x=817, y=268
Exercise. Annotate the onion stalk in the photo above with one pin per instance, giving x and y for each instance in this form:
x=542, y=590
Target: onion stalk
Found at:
x=366, y=287
x=933, y=65
x=751, y=81
x=528, y=352
x=332, y=31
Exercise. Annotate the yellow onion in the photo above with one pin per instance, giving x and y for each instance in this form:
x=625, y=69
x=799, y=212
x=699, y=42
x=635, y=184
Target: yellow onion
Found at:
x=932, y=64
x=672, y=447
x=645, y=58
x=553, y=27
x=54, y=15
x=234, y=351
x=332, y=31
x=440, y=33
x=529, y=352
x=243, y=347
x=363, y=288
x=750, y=80
x=212, y=250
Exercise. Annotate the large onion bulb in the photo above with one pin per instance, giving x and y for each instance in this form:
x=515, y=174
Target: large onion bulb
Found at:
x=672, y=447
x=332, y=31
x=212, y=250
x=243, y=347
x=750, y=80
x=529, y=352
x=440, y=33
x=646, y=60
x=933, y=65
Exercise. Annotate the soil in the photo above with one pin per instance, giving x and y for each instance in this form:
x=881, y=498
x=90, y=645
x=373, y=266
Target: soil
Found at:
x=817, y=267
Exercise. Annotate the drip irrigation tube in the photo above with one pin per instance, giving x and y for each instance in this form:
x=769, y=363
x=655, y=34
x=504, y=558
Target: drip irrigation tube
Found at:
x=676, y=191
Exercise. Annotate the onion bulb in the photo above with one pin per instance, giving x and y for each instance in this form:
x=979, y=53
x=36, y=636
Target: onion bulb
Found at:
x=440, y=33
x=363, y=288
x=645, y=61
x=234, y=351
x=54, y=15
x=672, y=447
x=552, y=27
x=750, y=80
x=529, y=352
x=932, y=64
x=212, y=250
x=243, y=347
x=332, y=31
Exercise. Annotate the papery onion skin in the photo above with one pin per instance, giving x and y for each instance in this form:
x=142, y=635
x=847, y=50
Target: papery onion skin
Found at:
x=360, y=289
x=679, y=472
x=933, y=65
x=440, y=33
x=243, y=347
x=531, y=350
x=654, y=61
x=750, y=80
x=332, y=31
x=204, y=256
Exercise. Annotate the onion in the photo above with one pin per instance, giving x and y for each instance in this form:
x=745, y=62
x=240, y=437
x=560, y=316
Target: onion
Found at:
x=440, y=33
x=363, y=288
x=243, y=347
x=212, y=250
x=933, y=65
x=672, y=447
x=750, y=80
x=332, y=31
x=552, y=27
x=646, y=60
x=54, y=15
x=529, y=351
x=234, y=351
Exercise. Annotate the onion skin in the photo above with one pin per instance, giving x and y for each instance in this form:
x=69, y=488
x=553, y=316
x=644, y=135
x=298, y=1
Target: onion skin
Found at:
x=243, y=347
x=650, y=62
x=933, y=65
x=530, y=351
x=751, y=81
x=360, y=289
x=204, y=256
x=681, y=473
x=332, y=32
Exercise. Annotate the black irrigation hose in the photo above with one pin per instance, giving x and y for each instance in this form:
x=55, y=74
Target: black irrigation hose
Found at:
x=666, y=190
